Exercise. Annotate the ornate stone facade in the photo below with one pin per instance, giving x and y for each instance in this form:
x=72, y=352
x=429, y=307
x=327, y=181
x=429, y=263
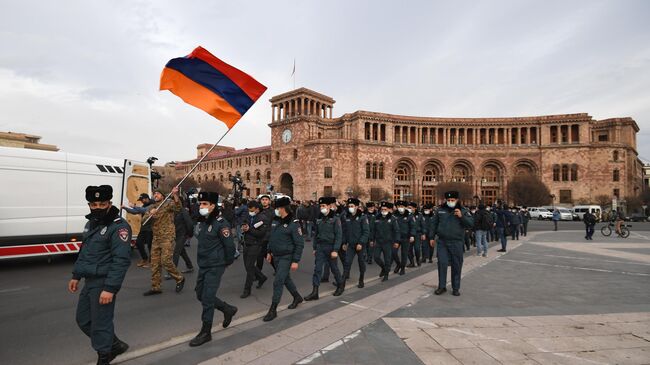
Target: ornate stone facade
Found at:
x=312, y=153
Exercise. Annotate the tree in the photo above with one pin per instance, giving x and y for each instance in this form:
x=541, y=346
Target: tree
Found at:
x=380, y=194
x=356, y=192
x=528, y=190
x=463, y=189
x=167, y=184
x=214, y=186
x=603, y=200
x=633, y=204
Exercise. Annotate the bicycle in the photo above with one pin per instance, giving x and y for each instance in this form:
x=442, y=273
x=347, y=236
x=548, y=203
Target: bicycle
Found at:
x=607, y=230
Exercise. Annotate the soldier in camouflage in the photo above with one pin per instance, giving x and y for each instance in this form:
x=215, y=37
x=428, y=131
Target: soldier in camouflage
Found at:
x=164, y=234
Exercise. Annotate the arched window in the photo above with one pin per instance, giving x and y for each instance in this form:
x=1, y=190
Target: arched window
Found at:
x=374, y=171
x=381, y=171
x=459, y=174
x=401, y=174
x=490, y=174
x=574, y=172
x=248, y=176
x=277, y=155
x=221, y=177
x=556, y=172
x=616, y=176
x=328, y=152
x=565, y=172
x=295, y=154
x=368, y=170
x=268, y=176
x=214, y=177
x=615, y=156
x=199, y=179
x=258, y=176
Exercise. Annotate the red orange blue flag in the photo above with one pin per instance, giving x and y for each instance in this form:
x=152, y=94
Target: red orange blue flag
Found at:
x=208, y=83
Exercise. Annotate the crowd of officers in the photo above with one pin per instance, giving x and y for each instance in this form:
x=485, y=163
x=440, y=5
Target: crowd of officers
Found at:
x=396, y=236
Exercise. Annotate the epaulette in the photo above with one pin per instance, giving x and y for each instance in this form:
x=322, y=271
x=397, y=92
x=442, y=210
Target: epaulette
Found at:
x=296, y=221
x=219, y=219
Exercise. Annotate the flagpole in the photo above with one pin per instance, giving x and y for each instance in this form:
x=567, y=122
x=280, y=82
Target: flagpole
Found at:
x=191, y=171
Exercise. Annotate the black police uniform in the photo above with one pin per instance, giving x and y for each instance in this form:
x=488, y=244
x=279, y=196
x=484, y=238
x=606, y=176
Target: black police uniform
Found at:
x=258, y=230
x=425, y=223
x=370, y=249
x=328, y=238
x=267, y=215
x=285, y=245
x=356, y=231
x=407, y=230
x=450, y=232
x=103, y=261
x=385, y=233
x=415, y=249
x=215, y=251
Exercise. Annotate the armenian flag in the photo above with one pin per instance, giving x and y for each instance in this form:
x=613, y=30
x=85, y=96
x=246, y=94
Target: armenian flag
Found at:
x=208, y=83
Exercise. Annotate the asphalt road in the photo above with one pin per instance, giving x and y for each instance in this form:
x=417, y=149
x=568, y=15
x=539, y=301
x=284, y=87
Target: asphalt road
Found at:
x=37, y=313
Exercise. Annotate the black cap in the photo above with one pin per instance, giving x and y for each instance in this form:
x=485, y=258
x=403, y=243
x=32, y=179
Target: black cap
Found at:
x=413, y=204
x=143, y=196
x=452, y=195
x=401, y=202
x=100, y=193
x=254, y=204
x=209, y=196
x=370, y=204
x=428, y=206
x=354, y=201
x=387, y=205
x=284, y=201
x=326, y=200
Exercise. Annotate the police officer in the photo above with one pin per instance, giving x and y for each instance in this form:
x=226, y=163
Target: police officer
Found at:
x=385, y=234
x=267, y=216
x=326, y=245
x=164, y=234
x=255, y=231
x=415, y=250
x=449, y=226
x=371, y=213
x=103, y=261
x=215, y=251
x=285, y=248
x=407, y=232
x=427, y=216
x=356, y=231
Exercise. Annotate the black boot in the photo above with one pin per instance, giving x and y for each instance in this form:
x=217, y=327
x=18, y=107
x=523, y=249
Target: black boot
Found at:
x=204, y=336
x=383, y=271
x=297, y=299
x=103, y=358
x=399, y=266
x=339, y=289
x=361, y=284
x=245, y=294
x=385, y=276
x=313, y=295
x=118, y=348
x=229, y=311
x=417, y=261
x=272, y=313
x=402, y=271
x=346, y=275
x=260, y=282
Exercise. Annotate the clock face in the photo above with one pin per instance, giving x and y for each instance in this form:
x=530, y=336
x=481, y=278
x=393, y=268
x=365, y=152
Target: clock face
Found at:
x=286, y=136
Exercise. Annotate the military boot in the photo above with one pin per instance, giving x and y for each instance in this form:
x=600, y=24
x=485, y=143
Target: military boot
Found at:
x=402, y=271
x=346, y=275
x=385, y=276
x=418, y=262
x=203, y=336
x=297, y=299
x=229, y=311
x=313, y=295
x=118, y=347
x=339, y=289
x=399, y=266
x=361, y=284
x=103, y=358
x=383, y=271
x=272, y=313
x=245, y=294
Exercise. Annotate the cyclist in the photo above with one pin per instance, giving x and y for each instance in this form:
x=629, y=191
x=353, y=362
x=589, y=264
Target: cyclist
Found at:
x=620, y=218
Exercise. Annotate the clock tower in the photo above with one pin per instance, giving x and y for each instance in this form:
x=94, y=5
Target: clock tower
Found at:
x=294, y=124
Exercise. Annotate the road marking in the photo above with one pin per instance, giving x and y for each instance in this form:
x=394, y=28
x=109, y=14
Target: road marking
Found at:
x=575, y=267
x=584, y=258
x=20, y=288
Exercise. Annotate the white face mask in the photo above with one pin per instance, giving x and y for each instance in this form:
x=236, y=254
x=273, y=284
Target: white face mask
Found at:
x=401, y=210
x=427, y=212
x=252, y=214
x=277, y=212
x=352, y=210
x=324, y=211
x=451, y=204
x=384, y=213
x=204, y=212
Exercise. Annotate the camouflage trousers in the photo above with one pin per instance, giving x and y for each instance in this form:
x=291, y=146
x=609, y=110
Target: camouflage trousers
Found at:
x=162, y=252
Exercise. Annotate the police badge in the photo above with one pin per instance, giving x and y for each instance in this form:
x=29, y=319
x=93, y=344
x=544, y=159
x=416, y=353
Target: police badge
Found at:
x=123, y=233
x=103, y=232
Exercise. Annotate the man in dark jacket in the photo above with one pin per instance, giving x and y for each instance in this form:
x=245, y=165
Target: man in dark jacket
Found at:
x=427, y=216
x=407, y=233
x=356, y=231
x=184, y=231
x=103, y=261
x=502, y=224
x=590, y=222
x=145, y=236
x=216, y=251
x=449, y=226
x=371, y=213
x=255, y=231
x=267, y=215
x=385, y=234
x=525, y=218
x=515, y=223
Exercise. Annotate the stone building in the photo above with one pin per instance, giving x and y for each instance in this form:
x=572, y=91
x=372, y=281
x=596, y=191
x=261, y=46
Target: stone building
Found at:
x=312, y=153
x=22, y=140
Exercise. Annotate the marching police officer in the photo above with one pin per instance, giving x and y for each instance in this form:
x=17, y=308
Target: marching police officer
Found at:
x=356, y=231
x=449, y=225
x=415, y=250
x=215, y=251
x=371, y=213
x=407, y=232
x=427, y=216
x=285, y=249
x=267, y=216
x=255, y=231
x=326, y=245
x=385, y=235
x=103, y=261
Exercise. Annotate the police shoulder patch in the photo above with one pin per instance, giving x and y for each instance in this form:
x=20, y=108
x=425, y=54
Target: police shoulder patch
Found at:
x=103, y=231
x=299, y=230
x=225, y=232
x=219, y=219
x=123, y=234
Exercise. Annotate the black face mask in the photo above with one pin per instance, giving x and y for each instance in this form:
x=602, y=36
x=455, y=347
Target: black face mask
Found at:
x=98, y=214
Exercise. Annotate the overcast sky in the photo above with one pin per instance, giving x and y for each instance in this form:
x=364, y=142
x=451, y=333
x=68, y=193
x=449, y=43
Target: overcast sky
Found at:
x=85, y=74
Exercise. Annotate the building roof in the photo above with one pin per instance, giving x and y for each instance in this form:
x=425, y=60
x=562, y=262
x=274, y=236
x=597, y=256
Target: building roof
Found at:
x=442, y=120
x=226, y=154
x=302, y=91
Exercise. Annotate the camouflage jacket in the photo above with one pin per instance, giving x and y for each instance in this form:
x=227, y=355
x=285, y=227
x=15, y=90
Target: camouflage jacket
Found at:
x=163, y=220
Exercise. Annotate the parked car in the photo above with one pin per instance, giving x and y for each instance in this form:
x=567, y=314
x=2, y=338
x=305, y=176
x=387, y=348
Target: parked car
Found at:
x=565, y=214
x=580, y=210
x=540, y=213
x=638, y=217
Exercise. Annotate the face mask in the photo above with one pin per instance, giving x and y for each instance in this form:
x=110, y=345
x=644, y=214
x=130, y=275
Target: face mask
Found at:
x=324, y=211
x=427, y=212
x=352, y=210
x=401, y=210
x=98, y=214
x=252, y=214
x=488, y=209
x=384, y=213
x=410, y=210
x=451, y=204
x=204, y=212
x=277, y=212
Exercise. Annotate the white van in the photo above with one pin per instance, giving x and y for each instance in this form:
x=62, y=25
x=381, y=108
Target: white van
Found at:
x=580, y=210
x=43, y=202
